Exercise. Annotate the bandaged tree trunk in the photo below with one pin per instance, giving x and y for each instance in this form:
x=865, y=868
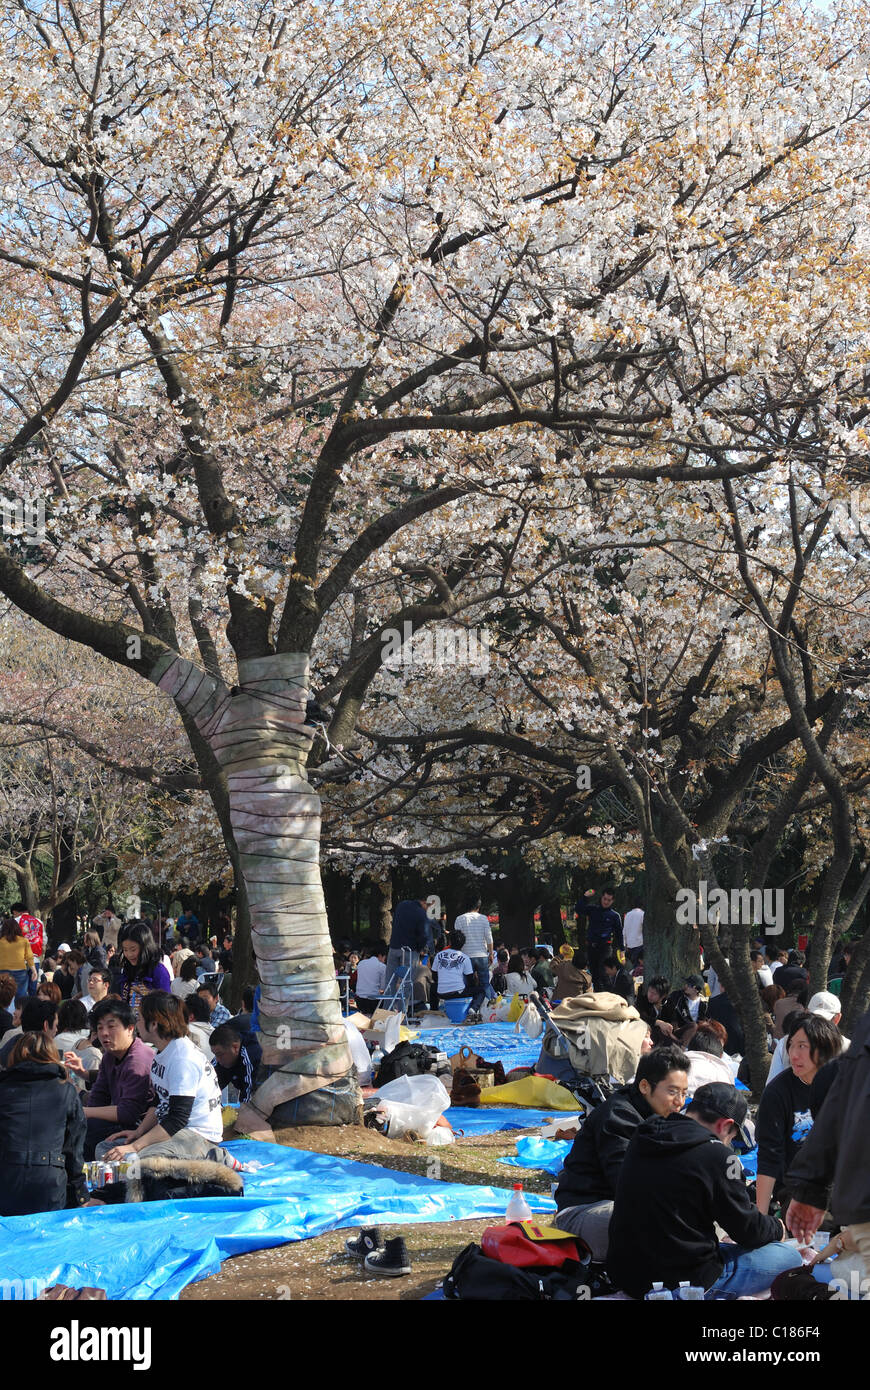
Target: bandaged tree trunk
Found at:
x=258, y=736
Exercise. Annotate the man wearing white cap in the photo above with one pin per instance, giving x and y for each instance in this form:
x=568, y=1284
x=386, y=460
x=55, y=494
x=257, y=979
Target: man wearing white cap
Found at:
x=826, y=1005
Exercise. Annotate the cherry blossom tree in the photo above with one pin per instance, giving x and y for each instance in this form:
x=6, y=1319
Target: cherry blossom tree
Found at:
x=305, y=308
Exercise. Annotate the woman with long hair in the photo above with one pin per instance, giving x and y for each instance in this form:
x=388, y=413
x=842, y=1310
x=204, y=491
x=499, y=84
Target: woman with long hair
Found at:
x=16, y=957
x=142, y=970
x=42, y=1131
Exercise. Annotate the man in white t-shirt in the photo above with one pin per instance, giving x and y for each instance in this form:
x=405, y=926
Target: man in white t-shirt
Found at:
x=453, y=971
x=185, y=1121
x=371, y=975
x=475, y=928
x=632, y=932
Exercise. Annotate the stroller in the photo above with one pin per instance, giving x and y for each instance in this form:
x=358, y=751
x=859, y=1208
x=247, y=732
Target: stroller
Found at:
x=555, y=1060
x=591, y=1043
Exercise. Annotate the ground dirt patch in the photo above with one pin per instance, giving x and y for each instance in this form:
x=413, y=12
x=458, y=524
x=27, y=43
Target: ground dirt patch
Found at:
x=320, y=1268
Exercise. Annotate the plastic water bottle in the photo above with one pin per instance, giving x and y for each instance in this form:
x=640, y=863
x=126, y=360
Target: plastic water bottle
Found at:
x=659, y=1294
x=693, y=1294
x=377, y=1058
x=518, y=1208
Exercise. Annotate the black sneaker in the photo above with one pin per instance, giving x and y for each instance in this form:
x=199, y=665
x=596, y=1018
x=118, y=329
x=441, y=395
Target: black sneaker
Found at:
x=365, y=1244
x=391, y=1261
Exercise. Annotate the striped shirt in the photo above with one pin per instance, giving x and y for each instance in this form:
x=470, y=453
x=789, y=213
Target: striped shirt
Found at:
x=477, y=932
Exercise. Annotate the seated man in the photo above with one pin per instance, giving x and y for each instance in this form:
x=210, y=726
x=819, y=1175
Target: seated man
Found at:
x=371, y=976
x=236, y=1059
x=539, y=967
x=587, y=1183
x=676, y=1182
x=186, y=1120
x=218, y=1012
x=706, y=1054
x=617, y=979
x=121, y=1091
x=453, y=971
x=197, y=1014
x=99, y=984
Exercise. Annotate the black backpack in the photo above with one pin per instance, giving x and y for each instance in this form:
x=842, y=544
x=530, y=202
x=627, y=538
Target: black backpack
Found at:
x=474, y=1276
x=409, y=1059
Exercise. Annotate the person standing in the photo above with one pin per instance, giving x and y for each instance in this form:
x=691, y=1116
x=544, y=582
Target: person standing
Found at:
x=603, y=932
x=16, y=957
x=34, y=929
x=410, y=924
x=632, y=931
x=479, y=949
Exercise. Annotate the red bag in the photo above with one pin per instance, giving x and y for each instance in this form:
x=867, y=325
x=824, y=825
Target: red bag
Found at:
x=528, y=1246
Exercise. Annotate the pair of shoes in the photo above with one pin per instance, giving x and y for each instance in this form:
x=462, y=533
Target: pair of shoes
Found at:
x=390, y=1262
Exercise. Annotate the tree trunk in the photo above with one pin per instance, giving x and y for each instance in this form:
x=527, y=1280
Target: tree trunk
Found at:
x=381, y=909
x=258, y=736
x=670, y=948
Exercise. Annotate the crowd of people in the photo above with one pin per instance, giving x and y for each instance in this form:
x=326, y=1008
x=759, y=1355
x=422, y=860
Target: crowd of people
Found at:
x=119, y=1047
x=643, y=1185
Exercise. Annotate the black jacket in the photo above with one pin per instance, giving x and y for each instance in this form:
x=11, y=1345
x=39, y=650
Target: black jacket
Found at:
x=721, y=1009
x=782, y=1124
x=592, y=1166
x=836, y=1150
x=622, y=984
x=42, y=1133
x=675, y=1010
x=674, y=1185
x=409, y=926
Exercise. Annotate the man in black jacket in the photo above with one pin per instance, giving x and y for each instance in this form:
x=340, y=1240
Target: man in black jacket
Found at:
x=677, y=1181
x=836, y=1151
x=410, y=933
x=587, y=1184
x=618, y=980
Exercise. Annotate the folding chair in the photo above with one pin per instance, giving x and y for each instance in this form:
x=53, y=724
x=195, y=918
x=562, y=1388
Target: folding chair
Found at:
x=399, y=991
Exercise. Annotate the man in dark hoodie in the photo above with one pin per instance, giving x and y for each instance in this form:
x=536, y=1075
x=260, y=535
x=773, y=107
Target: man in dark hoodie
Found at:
x=587, y=1183
x=677, y=1181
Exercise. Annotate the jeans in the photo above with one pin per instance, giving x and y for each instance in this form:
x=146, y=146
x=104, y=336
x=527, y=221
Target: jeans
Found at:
x=753, y=1271
x=20, y=977
x=633, y=952
x=187, y=1143
x=394, y=961
x=484, y=988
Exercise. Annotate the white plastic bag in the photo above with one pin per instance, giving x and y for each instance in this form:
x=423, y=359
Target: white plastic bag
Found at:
x=412, y=1104
x=530, y=1023
x=359, y=1053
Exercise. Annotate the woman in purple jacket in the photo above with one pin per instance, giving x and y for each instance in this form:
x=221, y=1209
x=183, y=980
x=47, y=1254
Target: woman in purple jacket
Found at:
x=142, y=970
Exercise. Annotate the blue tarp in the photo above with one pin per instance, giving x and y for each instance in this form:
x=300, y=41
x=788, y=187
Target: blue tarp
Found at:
x=534, y=1152
x=495, y=1042
x=154, y=1249
x=489, y=1119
